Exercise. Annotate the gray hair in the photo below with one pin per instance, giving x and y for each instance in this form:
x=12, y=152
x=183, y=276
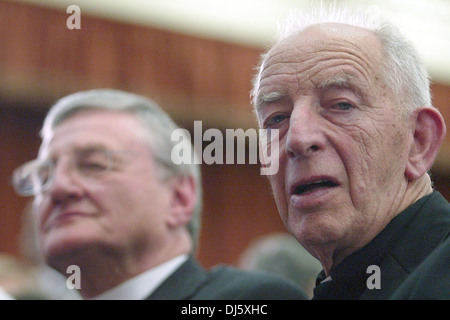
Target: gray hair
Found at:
x=155, y=121
x=403, y=69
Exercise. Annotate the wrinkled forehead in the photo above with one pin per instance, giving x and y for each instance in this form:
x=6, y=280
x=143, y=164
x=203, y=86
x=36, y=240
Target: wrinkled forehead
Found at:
x=319, y=51
x=332, y=36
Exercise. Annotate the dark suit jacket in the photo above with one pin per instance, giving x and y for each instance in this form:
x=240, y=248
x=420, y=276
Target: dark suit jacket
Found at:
x=417, y=267
x=431, y=279
x=192, y=282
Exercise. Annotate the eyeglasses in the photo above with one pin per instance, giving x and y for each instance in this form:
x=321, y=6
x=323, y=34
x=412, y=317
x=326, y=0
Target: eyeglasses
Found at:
x=36, y=176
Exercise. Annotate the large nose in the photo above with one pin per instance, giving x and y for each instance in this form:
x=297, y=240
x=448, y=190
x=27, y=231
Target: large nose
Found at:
x=305, y=136
x=65, y=184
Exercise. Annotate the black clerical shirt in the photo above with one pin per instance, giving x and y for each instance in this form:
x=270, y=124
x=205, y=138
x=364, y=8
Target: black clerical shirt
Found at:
x=349, y=279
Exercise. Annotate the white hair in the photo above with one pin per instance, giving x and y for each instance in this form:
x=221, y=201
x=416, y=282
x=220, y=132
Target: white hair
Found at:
x=403, y=70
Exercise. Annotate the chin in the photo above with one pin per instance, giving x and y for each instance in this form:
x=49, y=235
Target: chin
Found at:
x=62, y=248
x=315, y=230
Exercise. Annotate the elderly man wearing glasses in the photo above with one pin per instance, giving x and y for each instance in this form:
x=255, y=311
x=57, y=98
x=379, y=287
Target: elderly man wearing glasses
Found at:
x=109, y=200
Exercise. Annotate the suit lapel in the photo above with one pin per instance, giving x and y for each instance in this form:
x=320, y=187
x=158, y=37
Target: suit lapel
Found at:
x=182, y=284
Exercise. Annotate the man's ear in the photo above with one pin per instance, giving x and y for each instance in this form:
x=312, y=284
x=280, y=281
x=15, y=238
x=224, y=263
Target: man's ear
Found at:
x=184, y=197
x=428, y=135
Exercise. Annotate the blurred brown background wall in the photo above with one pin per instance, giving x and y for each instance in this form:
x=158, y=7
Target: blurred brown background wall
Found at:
x=192, y=78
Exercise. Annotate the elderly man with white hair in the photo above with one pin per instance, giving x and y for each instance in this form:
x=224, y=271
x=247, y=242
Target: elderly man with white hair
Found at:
x=358, y=134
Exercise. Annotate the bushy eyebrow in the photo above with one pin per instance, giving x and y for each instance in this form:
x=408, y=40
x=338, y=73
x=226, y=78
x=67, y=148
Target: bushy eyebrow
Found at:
x=77, y=150
x=265, y=98
x=343, y=81
x=90, y=148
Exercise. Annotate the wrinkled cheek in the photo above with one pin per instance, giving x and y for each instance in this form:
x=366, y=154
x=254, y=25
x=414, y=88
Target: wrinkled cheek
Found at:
x=371, y=164
x=357, y=158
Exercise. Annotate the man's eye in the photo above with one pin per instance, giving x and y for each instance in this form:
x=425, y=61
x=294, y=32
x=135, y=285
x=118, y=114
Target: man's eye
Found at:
x=93, y=166
x=273, y=121
x=344, y=106
x=93, y=161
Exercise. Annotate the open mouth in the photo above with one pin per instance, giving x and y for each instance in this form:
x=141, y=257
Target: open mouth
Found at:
x=313, y=186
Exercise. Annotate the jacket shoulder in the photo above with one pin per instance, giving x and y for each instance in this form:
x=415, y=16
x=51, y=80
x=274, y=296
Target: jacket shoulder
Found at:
x=430, y=280
x=229, y=283
x=428, y=230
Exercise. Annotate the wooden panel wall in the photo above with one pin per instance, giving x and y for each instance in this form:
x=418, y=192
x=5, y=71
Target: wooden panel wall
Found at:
x=193, y=79
x=19, y=142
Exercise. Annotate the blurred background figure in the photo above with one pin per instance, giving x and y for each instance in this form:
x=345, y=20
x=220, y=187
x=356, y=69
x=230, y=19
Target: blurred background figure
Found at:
x=18, y=280
x=281, y=253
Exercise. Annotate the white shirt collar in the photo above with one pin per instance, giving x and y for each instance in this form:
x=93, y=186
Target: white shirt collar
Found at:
x=326, y=279
x=142, y=285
